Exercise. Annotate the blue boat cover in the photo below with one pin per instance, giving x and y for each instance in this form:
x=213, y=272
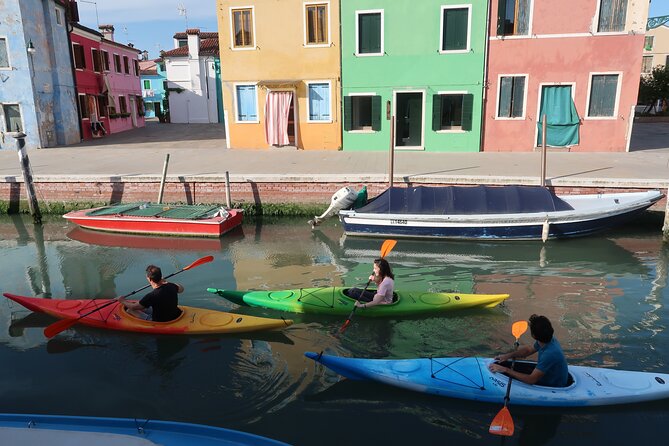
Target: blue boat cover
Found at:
x=465, y=200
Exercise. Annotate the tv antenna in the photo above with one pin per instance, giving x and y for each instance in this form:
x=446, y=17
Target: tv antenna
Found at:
x=182, y=11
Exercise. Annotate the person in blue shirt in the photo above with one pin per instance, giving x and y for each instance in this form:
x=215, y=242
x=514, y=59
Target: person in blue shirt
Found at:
x=551, y=369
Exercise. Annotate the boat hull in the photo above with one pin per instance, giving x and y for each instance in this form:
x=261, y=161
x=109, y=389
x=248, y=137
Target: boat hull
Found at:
x=603, y=212
x=469, y=378
x=204, y=227
x=192, y=321
x=332, y=300
x=56, y=430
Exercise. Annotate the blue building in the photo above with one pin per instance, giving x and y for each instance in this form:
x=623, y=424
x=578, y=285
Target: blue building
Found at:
x=153, y=79
x=37, y=93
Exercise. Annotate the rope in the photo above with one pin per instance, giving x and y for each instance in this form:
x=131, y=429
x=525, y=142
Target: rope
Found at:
x=140, y=429
x=448, y=366
x=313, y=294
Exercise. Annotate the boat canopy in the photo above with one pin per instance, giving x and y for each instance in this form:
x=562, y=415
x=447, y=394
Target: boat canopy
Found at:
x=464, y=200
x=185, y=211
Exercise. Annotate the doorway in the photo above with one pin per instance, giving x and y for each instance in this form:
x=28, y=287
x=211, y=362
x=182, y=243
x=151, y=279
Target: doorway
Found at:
x=409, y=119
x=280, y=126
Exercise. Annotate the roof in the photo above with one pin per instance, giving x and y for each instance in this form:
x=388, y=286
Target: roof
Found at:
x=192, y=31
x=147, y=67
x=208, y=47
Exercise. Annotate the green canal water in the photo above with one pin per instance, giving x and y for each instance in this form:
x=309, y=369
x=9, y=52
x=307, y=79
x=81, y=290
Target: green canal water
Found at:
x=606, y=296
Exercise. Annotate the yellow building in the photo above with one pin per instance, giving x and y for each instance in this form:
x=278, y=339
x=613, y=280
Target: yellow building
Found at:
x=280, y=73
x=656, y=48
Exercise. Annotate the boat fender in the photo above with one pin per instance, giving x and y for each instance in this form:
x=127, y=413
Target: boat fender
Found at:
x=341, y=199
x=544, y=231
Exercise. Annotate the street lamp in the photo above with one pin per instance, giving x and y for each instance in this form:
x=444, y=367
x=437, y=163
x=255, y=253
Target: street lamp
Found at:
x=31, y=48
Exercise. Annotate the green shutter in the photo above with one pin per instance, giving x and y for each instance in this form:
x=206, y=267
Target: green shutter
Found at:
x=348, y=113
x=455, y=29
x=467, y=111
x=501, y=16
x=436, y=112
x=376, y=113
x=369, y=33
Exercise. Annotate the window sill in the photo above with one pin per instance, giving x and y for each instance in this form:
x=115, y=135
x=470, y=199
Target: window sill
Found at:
x=317, y=45
x=600, y=118
x=243, y=48
x=369, y=54
x=361, y=131
x=451, y=131
x=329, y=121
x=455, y=51
x=504, y=118
x=247, y=122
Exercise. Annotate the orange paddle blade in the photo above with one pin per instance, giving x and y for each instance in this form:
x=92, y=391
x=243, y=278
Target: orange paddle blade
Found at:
x=199, y=262
x=502, y=424
x=518, y=328
x=62, y=325
x=387, y=246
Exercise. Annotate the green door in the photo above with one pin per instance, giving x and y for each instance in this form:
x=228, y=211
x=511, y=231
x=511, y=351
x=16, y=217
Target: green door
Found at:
x=409, y=120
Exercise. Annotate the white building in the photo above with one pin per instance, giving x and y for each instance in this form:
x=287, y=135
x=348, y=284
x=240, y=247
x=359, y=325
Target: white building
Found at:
x=192, y=80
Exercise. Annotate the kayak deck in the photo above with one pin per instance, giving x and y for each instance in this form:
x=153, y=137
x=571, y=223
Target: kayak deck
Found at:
x=469, y=378
x=333, y=300
x=192, y=320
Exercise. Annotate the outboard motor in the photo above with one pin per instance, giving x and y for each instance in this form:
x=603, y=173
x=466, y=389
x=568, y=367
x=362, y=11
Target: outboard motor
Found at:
x=342, y=199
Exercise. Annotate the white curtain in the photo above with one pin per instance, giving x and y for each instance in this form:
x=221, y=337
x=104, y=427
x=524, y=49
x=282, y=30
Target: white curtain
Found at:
x=277, y=109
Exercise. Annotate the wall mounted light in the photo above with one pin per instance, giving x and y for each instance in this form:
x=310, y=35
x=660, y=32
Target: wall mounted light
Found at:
x=31, y=48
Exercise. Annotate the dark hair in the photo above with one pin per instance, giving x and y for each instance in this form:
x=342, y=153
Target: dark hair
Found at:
x=384, y=268
x=154, y=273
x=541, y=328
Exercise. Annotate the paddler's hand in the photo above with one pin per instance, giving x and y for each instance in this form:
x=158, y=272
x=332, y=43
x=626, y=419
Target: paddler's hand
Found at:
x=495, y=368
x=360, y=304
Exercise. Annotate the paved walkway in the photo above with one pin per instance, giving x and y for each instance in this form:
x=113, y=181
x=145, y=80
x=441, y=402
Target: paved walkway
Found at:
x=198, y=152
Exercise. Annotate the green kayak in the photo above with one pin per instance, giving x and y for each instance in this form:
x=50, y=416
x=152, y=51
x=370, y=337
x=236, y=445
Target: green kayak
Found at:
x=332, y=300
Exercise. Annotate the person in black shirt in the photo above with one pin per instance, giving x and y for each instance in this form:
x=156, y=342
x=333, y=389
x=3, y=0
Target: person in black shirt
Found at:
x=163, y=300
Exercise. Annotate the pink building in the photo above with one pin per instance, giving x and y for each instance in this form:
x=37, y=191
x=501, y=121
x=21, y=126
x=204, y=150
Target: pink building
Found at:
x=577, y=61
x=122, y=83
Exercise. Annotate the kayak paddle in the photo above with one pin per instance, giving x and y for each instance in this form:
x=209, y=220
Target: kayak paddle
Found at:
x=502, y=424
x=63, y=324
x=387, y=246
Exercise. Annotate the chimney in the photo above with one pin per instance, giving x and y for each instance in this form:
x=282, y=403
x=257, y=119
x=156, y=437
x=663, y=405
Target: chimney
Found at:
x=107, y=31
x=193, y=42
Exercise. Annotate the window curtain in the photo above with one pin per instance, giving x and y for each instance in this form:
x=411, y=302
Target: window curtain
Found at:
x=277, y=109
x=562, y=120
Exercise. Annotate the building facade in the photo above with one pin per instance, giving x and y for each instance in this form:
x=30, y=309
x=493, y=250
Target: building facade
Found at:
x=37, y=93
x=420, y=64
x=281, y=84
x=121, y=83
x=153, y=79
x=655, y=49
x=191, y=69
x=576, y=61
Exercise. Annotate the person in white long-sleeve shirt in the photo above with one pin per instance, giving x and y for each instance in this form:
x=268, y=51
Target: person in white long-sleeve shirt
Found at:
x=385, y=281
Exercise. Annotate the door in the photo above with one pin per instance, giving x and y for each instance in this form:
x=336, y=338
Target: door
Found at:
x=133, y=111
x=279, y=118
x=409, y=119
x=562, y=119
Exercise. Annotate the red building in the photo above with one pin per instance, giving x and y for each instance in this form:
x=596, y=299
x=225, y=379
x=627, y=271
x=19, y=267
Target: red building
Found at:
x=92, y=95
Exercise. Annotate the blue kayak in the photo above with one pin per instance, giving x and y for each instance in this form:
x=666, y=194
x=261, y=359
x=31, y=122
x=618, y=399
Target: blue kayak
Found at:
x=469, y=378
x=54, y=430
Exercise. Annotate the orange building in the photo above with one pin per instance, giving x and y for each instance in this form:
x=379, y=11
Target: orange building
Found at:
x=280, y=73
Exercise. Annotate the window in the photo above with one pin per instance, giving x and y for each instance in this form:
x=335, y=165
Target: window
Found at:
x=96, y=60
x=140, y=105
x=112, y=106
x=4, y=55
x=79, y=57
x=511, y=99
x=147, y=84
x=246, y=103
x=165, y=85
x=102, y=106
x=122, y=106
x=369, y=33
x=647, y=64
x=612, y=14
x=182, y=42
x=59, y=17
x=513, y=17
x=126, y=65
x=454, y=29
x=117, y=63
x=648, y=43
x=319, y=102
x=84, y=113
x=242, y=27
x=135, y=65
x=603, y=95
x=105, y=60
x=452, y=111
x=317, y=24
x=362, y=113
x=12, y=114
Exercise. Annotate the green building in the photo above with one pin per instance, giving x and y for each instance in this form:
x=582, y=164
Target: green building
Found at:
x=419, y=61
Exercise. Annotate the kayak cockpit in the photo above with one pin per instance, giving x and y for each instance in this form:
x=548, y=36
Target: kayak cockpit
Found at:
x=529, y=366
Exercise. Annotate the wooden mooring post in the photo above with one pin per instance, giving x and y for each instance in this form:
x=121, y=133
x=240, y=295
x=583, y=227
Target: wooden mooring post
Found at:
x=162, y=180
x=227, y=189
x=27, y=177
x=665, y=226
x=543, y=150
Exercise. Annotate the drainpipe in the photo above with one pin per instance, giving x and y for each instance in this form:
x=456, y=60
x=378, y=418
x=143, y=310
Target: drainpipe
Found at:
x=341, y=80
x=485, y=75
x=69, y=27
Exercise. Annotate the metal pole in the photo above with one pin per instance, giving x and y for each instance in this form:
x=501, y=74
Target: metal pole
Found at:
x=27, y=177
x=162, y=180
x=227, y=189
x=391, y=168
x=543, y=151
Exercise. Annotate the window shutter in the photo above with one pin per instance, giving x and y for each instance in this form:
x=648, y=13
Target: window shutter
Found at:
x=505, y=99
x=348, y=113
x=436, y=112
x=467, y=111
x=501, y=16
x=376, y=113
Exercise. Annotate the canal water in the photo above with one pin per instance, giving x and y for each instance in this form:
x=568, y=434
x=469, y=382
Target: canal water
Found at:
x=606, y=296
